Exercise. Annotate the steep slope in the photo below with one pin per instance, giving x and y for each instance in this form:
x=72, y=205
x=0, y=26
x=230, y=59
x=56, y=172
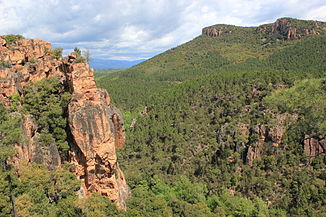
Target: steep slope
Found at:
x=253, y=126
x=204, y=54
x=65, y=117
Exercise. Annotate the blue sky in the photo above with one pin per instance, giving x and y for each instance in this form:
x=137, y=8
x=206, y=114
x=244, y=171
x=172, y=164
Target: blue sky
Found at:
x=139, y=29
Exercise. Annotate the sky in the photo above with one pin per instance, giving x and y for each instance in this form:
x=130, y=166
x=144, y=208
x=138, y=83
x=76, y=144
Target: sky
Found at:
x=139, y=29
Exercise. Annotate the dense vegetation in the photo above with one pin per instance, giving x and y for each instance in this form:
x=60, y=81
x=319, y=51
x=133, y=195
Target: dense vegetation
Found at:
x=32, y=189
x=47, y=101
x=12, y=38
x=191, y=127
x=194, y=116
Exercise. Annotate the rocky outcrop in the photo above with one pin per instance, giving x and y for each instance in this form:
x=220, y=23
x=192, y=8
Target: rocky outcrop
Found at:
x=32, y=151
x=252, y=141
x=213, y=32
x=95, y=126
x=266, y=136
x=270, y=136
x=217, y=30
x=24, y=61
x=314, y=147
x=290, y=29
x=281, y=29
x=97, y=131
x=255, y=141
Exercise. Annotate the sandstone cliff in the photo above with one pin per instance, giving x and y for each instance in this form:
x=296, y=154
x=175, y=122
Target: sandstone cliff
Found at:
x=95, y=127
x=97, y=131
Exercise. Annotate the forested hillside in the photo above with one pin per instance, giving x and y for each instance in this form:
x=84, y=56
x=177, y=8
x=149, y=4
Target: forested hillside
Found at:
x=231, y=123
x=58, y=135
x=227, y=125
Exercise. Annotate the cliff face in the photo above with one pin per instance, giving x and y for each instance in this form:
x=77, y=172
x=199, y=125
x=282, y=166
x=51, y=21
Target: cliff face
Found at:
x=97, y=132
x=32, y=151
x=283, y=28
x=259, y=138
x=25, y=61
x=289, y=30
x=218, y=30
x=22, y=62
x=213, y=32
x=96, y=127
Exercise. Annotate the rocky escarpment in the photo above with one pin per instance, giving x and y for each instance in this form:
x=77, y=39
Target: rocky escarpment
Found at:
x=283, y=29
x=22, y=62
x=272, y=136
x=218, y=30
x=253, y=142
x=97, y=132
x=32, y=151
x=25, y=61
x=95, y=127
x=292, y=29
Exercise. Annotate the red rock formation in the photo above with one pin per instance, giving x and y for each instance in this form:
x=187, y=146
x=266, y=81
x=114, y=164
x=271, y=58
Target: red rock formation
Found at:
x=97, y=131
x=255, y=150
x=273, y=136
x=213, y=32
x=32, y=151
x=283, y=28
x=314, y=147
x=96, y=126
x=292, y=34
x=26, y=61
x=266, y=136
x=286, y=28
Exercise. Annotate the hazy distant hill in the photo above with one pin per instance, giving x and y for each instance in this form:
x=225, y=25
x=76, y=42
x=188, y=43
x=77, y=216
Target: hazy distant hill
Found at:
x=113, y=64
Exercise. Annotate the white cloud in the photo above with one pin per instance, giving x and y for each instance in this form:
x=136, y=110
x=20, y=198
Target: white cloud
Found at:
x=317, y=14
x=131, y=29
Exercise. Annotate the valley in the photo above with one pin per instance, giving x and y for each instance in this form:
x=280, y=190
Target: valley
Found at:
x=231, y=123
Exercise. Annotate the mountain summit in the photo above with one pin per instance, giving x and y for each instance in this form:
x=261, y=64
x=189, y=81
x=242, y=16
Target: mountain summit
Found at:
x=281, y=29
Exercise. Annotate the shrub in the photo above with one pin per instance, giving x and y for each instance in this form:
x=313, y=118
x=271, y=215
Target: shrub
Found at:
x=80, y=59
x=77, y=51
x=47, y=101
x=33, y=60
x=4, y=64
x=12, y=38
x=56, y=53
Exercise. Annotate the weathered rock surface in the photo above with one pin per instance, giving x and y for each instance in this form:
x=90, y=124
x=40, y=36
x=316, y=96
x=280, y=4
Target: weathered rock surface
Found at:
x=267, y=136
x=314, y=147
x=96, y=127
x=283, y=28
x=97, y=131
x=218, y=30
x=253, y=141
x=213, y=32
x=32, y=151
x=287, y=28
x=26, y=60
x=272, y=136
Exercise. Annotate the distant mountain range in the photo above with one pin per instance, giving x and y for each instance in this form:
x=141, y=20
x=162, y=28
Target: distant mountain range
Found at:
x=110, y=64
